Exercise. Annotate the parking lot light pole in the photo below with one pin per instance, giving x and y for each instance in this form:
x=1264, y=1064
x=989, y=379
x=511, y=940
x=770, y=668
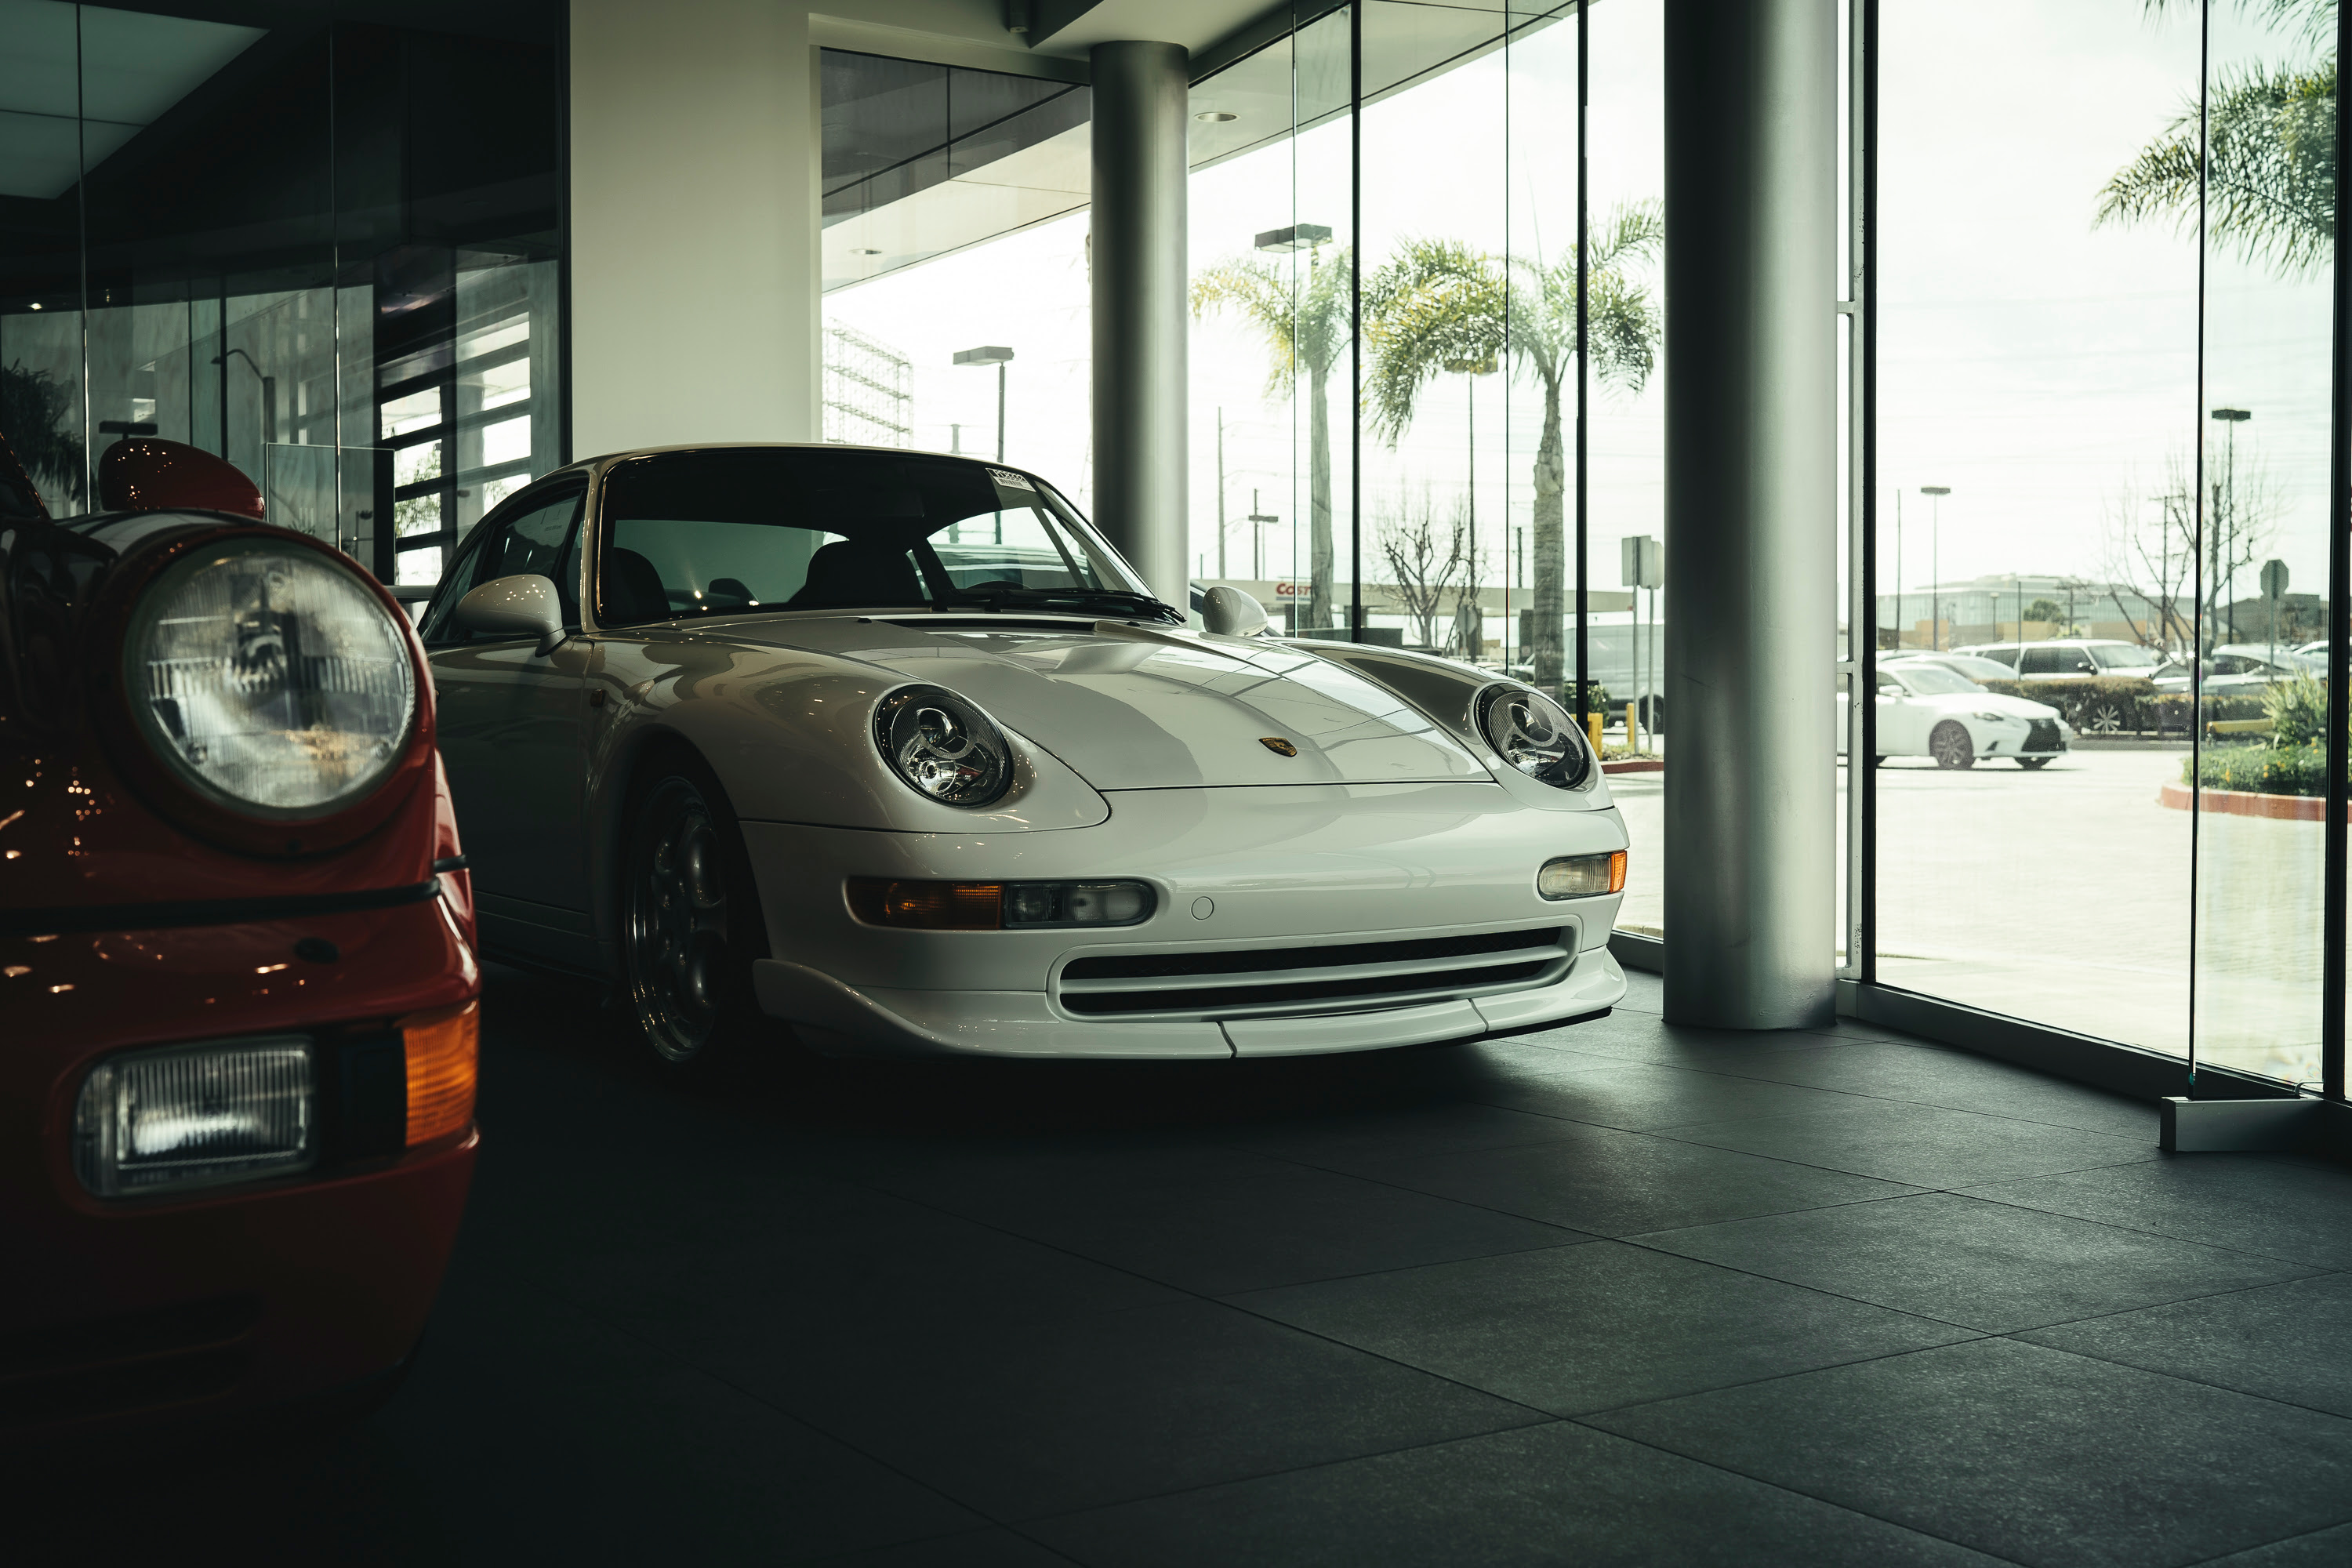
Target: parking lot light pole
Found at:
x=2224, y=549
x=1936, y=494
x=999, y=356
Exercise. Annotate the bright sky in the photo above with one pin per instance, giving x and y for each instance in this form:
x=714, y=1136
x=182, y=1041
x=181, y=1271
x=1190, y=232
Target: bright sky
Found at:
x=2041, y=367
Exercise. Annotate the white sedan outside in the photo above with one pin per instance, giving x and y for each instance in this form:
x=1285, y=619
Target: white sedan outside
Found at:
x=1925, y=710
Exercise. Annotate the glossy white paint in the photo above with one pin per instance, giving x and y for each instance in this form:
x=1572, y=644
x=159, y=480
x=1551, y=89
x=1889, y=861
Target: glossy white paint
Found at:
x=1139, y=755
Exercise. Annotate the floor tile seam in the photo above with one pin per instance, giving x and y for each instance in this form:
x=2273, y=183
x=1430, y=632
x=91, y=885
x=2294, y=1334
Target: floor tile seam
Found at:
x=1874, y=1176
x=1543, y=1419
x=856, y=1551
x=1970, y=1337
x=2239, y=1550
x=1977, y=1194
x=1571, y=1238
x=699, y=1368
x=1891, y=1099
x=2334, y=1417
x=1842, y=1506
x=1916, y=1191
x=1969, y=1331
x=1578, y=1238
x=2177, y=1301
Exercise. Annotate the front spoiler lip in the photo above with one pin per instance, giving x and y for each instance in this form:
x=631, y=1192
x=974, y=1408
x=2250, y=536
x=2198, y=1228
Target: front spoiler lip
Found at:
x=839, y=1019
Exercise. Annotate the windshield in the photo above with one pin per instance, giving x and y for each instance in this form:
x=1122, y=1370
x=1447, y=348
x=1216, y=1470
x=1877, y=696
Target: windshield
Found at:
x=733, y=529
x=1934, y=681
x=2123, y=656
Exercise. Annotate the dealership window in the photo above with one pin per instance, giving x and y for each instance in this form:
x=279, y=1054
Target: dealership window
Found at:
x=325, y=250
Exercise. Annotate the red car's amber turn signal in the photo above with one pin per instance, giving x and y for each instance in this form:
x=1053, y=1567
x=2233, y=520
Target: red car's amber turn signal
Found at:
x=443, y=1063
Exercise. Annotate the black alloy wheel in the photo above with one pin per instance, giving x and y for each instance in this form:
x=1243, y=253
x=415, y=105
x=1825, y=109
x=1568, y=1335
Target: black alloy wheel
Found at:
x=689, y=920
x=2030, y=763
x=1949, y=744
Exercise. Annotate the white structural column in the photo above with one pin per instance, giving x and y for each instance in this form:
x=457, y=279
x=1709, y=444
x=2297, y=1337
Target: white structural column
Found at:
x=1141, y=306
x=1752, y=216
x=694, y=224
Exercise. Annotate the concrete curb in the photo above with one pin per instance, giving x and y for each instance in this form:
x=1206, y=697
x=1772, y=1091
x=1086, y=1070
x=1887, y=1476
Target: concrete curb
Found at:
x=1635, y=765
x=2246, y=802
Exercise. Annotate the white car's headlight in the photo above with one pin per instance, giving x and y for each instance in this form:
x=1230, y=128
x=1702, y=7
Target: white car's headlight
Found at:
x=944, y=747
x=1534, y=734
x=1992, y=718
x=195, y=1116
x=269, y=678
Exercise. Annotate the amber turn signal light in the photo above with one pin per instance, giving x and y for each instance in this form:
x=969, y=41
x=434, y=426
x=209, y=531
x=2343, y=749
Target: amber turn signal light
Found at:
x=928, y=906
x=444, y=1050
x=1582, y=876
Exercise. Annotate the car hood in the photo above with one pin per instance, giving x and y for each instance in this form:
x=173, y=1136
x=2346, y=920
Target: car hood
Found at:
x=1135, y=708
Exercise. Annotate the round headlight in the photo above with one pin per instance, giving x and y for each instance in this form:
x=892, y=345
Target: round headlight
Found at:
x=945, y=748
x=1534, y=734
x=269, y=680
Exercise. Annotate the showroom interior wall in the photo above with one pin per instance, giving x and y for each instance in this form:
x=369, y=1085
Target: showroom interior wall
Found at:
x=327, y=250
x=693, y=223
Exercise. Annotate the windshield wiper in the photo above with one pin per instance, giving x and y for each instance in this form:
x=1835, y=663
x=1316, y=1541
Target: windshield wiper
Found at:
x=996, y=597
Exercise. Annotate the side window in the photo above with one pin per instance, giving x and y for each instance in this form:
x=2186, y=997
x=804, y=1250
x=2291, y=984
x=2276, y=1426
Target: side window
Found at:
x=2039, y=661
x=2075, y=661
x=541, y=535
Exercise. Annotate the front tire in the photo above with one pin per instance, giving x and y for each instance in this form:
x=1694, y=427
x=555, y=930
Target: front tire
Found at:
x=1950, y=746
x=690, y=920
x=2031, y=763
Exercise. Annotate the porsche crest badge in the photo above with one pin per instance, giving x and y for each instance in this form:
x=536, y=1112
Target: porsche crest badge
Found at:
x=1277, y=746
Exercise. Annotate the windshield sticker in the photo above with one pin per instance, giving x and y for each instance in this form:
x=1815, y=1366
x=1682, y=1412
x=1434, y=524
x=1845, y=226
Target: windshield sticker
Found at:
x=1012, y=481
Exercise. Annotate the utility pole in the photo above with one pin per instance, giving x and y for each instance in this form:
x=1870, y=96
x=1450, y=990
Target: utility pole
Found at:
x=1936, y=494
x=2225, y=555
x=1221, y=494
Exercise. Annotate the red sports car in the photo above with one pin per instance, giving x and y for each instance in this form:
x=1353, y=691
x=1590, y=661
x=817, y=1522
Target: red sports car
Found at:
x=237, y=985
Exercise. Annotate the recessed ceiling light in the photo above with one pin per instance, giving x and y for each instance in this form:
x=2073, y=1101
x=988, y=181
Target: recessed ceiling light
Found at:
x=37, y=304
x=1216, y=116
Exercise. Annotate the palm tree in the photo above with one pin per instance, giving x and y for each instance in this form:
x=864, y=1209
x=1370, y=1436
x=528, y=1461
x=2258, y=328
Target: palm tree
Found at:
x=1440, y=305
x=1305, y=323
x=2270, y=164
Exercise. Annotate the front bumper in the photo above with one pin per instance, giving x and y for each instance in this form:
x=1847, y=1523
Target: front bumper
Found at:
x=218, y=1304
x=1243, y=875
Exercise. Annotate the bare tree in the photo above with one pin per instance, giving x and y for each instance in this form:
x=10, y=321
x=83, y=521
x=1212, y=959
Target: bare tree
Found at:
x=1423, y=557
x=1469, y=634
x=2157, y=543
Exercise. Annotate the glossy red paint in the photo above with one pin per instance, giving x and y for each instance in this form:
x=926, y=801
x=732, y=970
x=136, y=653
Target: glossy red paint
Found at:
x=140, y=473
x=122, y=926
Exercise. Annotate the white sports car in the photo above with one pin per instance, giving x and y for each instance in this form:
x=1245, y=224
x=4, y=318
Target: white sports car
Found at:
x=893, y=748
x=1928, y=710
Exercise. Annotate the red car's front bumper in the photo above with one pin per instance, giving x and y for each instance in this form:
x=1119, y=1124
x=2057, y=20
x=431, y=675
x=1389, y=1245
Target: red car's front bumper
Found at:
x=229, y=1299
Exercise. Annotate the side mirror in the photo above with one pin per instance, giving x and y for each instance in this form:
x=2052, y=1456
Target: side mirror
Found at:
x=523, y=605
x=1230, y=613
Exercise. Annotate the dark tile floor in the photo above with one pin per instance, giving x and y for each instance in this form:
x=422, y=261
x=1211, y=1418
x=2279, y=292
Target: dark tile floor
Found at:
x=1620, y=1293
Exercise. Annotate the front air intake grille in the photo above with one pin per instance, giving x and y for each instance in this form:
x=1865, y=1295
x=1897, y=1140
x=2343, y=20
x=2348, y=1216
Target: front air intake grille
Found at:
x=2041, y=735
x=1313, y=979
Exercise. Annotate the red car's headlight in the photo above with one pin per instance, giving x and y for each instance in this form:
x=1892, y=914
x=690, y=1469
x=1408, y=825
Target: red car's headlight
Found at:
x=269, y=680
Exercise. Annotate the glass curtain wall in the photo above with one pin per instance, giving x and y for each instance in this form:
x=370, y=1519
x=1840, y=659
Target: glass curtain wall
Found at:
x=325, y=250
x=2104, y=279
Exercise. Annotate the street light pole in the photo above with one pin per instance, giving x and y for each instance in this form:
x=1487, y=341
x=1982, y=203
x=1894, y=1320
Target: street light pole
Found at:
x=1936, y=494
x=2224, y=555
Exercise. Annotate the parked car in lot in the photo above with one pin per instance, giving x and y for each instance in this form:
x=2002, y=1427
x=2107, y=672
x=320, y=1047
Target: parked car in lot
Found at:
x=1927, y=711
x=730, y=732
x=1975, y=668
x=2070, y=658
x=235, y=966
x=2240, y=669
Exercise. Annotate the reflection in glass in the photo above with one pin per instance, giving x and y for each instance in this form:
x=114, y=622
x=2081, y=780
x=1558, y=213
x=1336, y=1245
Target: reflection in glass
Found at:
x=224, y=234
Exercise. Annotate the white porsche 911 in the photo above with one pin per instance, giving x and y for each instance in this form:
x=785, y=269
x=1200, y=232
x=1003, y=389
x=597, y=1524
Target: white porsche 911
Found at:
x=1926, y=710
x=895, y=749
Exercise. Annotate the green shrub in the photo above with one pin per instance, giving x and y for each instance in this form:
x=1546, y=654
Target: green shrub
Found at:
x=2105, y=704
x=2297, y=709
x=2171, y=710
x=2262, y=769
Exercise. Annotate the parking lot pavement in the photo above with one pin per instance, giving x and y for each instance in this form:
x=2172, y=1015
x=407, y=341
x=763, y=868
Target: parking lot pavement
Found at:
x=2066, y=894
